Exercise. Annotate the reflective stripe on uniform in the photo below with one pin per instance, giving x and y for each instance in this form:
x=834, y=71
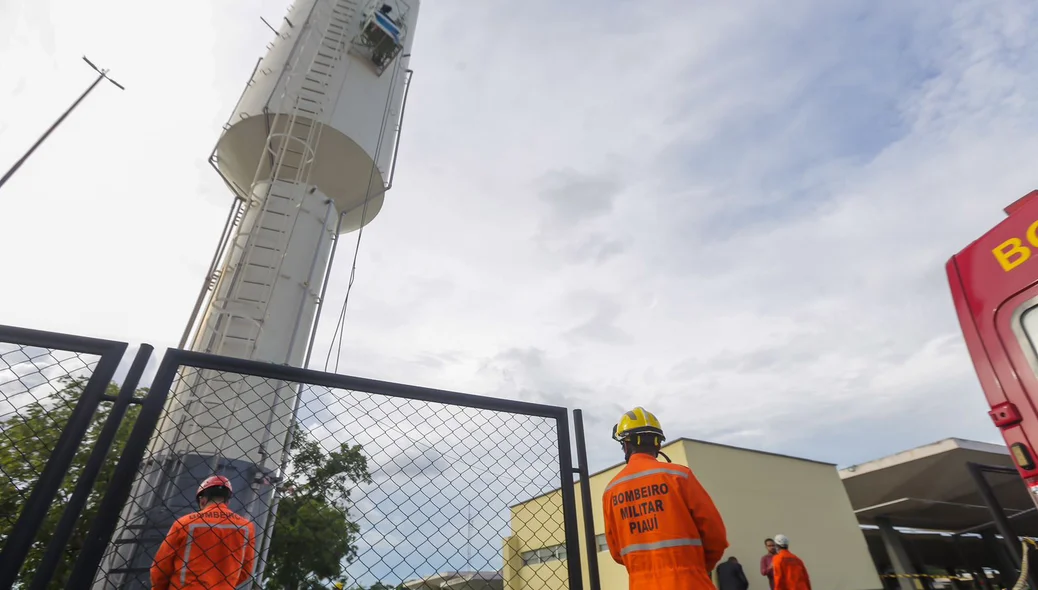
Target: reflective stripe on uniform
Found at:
x=645, y=473
x=661, y=545
x=191, y=536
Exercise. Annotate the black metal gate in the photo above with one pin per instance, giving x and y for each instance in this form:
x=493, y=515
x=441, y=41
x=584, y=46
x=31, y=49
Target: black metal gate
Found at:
x=352, y=481
x=428, y=484
x=56, y=392
x=1012, y=548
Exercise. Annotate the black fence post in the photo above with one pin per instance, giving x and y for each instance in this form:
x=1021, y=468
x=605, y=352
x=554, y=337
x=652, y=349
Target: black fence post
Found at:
x=34, y=512
x=998, y=515
x=103, y=527
x=585, y=501
x=569, y=503
x=56, y=546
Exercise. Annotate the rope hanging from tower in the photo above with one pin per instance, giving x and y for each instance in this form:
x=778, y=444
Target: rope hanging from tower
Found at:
x=341, y=323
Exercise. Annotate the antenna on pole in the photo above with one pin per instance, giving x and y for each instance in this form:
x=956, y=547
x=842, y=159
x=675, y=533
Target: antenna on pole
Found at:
x=101, y=75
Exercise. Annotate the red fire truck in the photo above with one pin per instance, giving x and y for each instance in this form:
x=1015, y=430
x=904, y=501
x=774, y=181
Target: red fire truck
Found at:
x=994, y=283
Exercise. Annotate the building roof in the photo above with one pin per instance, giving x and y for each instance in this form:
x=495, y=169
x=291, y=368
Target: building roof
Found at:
x=672, y=443
x=930, y=487
x=467, y=577
x=448, y=579
x=722, y=445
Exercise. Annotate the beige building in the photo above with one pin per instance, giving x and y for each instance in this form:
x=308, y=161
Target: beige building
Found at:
x=758, y=494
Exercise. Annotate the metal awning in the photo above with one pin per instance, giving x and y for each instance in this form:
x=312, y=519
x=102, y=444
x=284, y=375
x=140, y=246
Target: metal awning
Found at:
x=931, y=488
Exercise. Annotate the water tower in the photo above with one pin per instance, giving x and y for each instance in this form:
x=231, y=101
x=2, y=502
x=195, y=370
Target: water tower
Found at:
x=309, y=152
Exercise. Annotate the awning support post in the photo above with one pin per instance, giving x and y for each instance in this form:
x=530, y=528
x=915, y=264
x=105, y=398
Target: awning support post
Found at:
x=897, y=554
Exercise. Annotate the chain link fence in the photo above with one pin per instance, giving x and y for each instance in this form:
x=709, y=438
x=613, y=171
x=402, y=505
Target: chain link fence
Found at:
x=344, y=483
x=53, y=389
x=39, y=387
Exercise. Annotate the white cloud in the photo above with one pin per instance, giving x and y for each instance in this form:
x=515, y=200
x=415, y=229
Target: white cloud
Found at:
x=738, y=218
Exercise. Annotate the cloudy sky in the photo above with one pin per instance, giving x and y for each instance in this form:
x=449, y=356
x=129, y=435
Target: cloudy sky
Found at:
x=735, y=216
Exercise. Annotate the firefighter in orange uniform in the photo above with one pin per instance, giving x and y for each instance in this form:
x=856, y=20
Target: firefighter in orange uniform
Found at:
x=212, y=549
x=790, y=571
x=659, y=521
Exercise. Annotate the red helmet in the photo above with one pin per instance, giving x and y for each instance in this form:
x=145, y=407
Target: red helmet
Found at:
x=215, y=481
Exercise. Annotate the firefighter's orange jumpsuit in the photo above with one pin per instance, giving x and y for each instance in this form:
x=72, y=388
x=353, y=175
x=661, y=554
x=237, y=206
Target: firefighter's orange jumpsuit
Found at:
x=662, y=526
x=790, y=572
x=213, y=549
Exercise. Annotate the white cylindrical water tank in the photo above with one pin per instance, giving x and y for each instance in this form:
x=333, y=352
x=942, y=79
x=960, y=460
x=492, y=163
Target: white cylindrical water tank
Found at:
x=358, y=125
x=310, y=149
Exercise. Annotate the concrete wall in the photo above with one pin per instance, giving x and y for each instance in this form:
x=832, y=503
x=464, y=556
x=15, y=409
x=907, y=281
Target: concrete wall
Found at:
x=758, y=495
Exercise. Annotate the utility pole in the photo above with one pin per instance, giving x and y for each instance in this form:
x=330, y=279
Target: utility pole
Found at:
x=101, y=75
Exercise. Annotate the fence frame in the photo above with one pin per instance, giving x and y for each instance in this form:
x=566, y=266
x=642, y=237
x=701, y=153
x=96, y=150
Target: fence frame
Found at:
x=590, y=542
x=103, y=528
x=46, y=488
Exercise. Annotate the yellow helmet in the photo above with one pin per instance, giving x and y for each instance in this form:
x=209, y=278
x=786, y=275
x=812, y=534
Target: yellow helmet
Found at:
x=637, y=421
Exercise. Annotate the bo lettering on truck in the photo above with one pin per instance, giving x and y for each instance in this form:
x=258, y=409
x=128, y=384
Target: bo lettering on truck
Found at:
x=1012, y=252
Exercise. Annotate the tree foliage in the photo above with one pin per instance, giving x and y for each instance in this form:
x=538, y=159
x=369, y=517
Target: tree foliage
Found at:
x=27, y=439
x=313, y=535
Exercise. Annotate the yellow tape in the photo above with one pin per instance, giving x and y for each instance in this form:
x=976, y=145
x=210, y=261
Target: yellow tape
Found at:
x=928, y=576
x=1026, y=543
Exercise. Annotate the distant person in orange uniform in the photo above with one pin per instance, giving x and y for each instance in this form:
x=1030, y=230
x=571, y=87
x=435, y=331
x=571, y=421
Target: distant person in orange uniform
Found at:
x=659, y=521
x=790, y=571
x=212, y=549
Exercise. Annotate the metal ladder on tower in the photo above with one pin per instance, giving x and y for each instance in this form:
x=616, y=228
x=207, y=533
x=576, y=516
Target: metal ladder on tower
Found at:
x=297, y=122
x=291, y=146
x=301, y=124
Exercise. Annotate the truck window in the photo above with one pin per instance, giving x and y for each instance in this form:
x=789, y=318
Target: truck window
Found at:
x=1026, y=329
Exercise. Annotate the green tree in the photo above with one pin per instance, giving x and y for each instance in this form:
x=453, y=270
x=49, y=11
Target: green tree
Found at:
x=27, y=439
x=313, y=534
x=312, y=537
